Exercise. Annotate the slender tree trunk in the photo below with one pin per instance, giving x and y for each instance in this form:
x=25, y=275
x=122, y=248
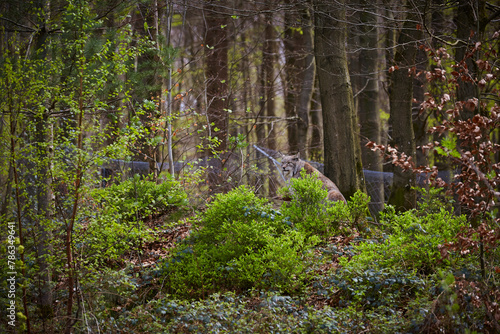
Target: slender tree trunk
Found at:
x=420, y=120
x=45, y=299
x=167, y=83
x=300, y=72
x=44, y=211
x=44, y=185
x=315, y=145
x=306, y=78
x=291, y=88
x=403, y=194
x=216, y=72
x=342, y=149
x=470, y=19
x=466, y=19
x=76, y=199
x=368, y=106
x=438, y=23
x=387, y=56
x=216, y=69
x=246, y=103
x=260, y=128
x=268, y=60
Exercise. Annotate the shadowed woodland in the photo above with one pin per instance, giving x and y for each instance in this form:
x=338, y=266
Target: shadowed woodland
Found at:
x=140, y=178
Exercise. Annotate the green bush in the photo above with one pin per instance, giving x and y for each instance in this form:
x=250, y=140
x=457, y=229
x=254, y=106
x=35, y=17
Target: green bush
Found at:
x=240, y=204
x=137, y=198
x=281, y=264
x=242, y=242
x=412, y=244
x=309, y=211
x=115, y=216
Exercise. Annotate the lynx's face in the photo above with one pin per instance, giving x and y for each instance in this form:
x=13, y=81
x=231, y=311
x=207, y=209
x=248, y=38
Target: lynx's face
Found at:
x=289, y=164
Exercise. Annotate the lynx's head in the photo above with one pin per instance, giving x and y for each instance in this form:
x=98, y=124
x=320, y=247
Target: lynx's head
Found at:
x=291, y=165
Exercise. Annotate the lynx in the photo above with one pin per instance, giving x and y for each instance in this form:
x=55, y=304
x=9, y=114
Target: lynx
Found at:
x=292, y=165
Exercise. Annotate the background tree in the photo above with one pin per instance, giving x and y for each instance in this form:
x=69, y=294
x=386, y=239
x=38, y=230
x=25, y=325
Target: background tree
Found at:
x=300, y=73
x=368, y=62
x=216, y=42
x=403, y=194
x=341, y=144
x=267, y=96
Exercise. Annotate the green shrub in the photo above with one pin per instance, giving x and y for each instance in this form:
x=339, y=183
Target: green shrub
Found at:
x=280, y=264
x=115, y=216
x=309, y=211
x=106, y=238
x=137, y=198
x=412, y=244
x=240, y=204
x=242, y=242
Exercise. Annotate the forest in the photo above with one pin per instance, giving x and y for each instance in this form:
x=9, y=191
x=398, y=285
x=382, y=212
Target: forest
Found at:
x=140, y=176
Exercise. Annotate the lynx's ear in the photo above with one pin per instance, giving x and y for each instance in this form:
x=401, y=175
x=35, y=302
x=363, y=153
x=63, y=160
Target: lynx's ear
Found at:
x=296, y=157
x=280, y=155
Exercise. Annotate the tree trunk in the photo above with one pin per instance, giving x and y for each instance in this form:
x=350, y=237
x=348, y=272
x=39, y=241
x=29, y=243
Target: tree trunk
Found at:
x=306, y=77
x=260, y=129
x=315, y=144
x=420, y=119
x=268, y=60
x=167, y=86
x=368, y=101
x=403, y=194
x=290, y=84
x=216, y=73
x=300, y=73
x=44, y=185
x=467, y=32
x=342, y=149
x=44, y=211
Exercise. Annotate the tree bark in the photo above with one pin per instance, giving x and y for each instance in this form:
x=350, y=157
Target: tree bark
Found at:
x=403, y=194
x=300, y=73
x=289, y=43
x=306, y=78
x=315, y=144
x=44, y=181
x=167, y=83
x=44, y=211
x=216, y=73
x=467, y=17
x=368, y=100
x=342, y=150
x=268, y=60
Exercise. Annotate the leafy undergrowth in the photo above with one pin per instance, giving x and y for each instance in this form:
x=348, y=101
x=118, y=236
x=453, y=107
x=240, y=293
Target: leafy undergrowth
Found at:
x=243, y=265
